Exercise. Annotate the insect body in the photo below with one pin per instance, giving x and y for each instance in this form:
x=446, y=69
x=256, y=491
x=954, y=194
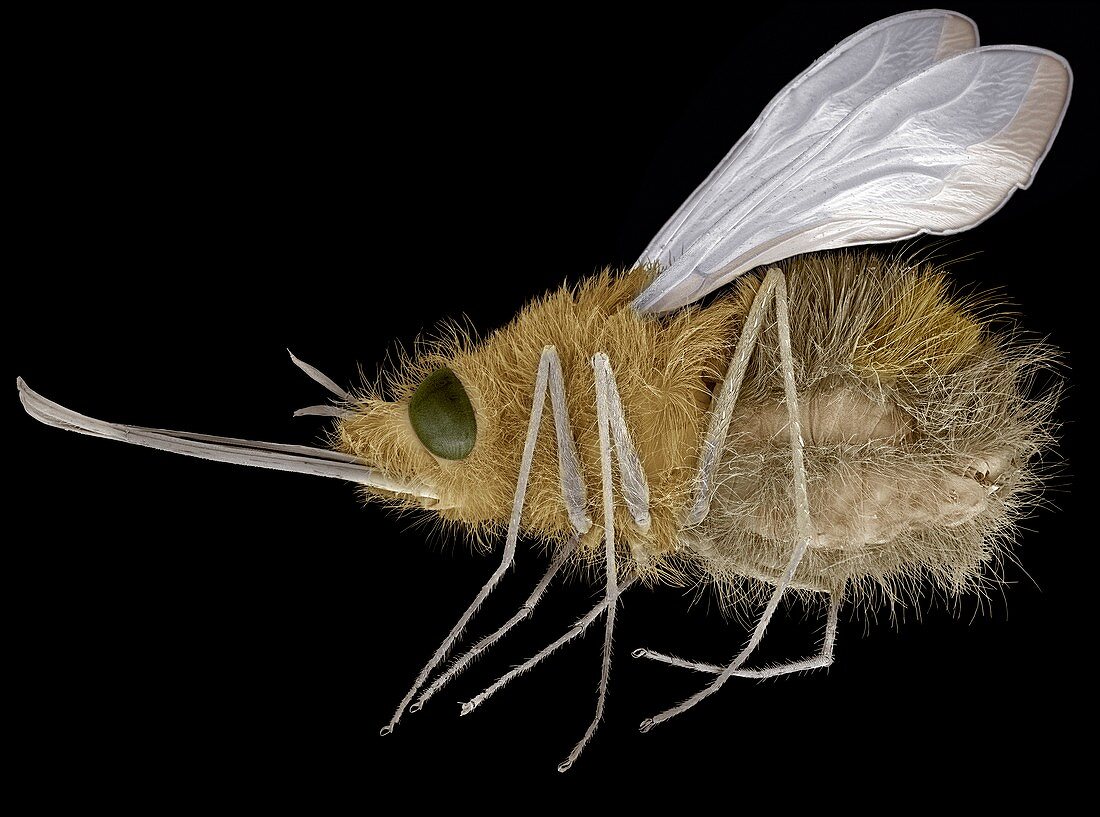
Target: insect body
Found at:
x=896, y=389
x=836, y=424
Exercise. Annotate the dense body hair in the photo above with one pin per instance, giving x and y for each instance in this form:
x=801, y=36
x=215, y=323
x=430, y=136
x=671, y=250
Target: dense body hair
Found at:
x=918, y=424
x=665, y=368
x=923, y=422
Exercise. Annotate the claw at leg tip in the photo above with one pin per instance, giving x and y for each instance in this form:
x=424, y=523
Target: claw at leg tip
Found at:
x=467, y=707
x=416, y=707
x=565, y=766
x=645, y=725
x=385, y=730
x=639, y=653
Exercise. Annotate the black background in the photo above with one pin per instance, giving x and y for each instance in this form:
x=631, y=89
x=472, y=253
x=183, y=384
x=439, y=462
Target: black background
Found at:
x=196, y=192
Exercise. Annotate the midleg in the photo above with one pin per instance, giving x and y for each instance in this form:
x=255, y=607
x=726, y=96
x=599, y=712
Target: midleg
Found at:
x=803, y=530
x=574, y=631
x=484, y=644
x=614, y=437
x=605, y=387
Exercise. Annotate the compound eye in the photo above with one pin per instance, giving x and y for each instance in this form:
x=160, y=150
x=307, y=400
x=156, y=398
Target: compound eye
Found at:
x=442, y=417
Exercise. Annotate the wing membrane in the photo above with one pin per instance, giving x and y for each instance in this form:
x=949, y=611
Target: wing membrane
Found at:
x=866, y=63
x=936, y=153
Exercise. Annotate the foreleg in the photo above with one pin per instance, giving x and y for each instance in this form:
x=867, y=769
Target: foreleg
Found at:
x=575, y=497
x=574, y=631
x=484, y=644
x=509, y=545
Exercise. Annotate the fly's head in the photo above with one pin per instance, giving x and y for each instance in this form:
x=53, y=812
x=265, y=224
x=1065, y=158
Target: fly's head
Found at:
x=447, y=420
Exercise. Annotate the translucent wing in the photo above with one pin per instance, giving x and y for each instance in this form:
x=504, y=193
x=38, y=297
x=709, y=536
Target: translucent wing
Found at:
x=866, y=63
x=936, y=153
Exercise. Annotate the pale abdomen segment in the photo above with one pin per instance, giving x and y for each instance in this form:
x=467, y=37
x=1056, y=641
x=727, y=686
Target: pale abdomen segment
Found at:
x=920, y=424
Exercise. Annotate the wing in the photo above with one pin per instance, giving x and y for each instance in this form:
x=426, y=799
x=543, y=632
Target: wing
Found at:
x=866, y=63
x=936, y=153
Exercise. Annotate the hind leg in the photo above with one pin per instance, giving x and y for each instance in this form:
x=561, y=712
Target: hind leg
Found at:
x=819, y=661
x=721, y=411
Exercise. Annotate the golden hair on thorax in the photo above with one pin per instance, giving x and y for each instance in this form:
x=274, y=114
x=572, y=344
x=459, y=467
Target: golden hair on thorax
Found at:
x=665, y=370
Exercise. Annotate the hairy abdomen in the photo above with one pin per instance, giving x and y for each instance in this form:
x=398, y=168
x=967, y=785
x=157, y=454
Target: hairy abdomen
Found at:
x=919, y=428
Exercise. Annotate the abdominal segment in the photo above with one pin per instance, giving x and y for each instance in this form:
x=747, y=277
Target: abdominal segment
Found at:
x=920, y=425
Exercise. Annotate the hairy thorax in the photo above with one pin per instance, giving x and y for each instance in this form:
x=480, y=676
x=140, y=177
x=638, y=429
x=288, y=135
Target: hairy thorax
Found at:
x=665, y=369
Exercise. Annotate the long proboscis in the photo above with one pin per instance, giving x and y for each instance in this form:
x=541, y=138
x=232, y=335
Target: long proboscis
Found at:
x=300, y=459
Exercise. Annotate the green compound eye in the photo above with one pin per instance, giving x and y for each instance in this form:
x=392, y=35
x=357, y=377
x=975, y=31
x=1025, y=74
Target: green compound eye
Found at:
x=442, y=417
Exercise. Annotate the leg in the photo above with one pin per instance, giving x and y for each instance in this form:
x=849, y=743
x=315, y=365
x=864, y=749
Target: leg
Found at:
x=484, y=644
x=509, y=546
x=721, y=411
x=549, y=370
x=605, y=385
x=610, y=423
x=821, y=660
x=569, y=465
x=803, y=530
x=632, y=479
x=574, y=631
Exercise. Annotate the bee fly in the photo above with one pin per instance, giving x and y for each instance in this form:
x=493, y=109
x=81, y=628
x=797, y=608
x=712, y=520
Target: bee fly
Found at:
x=839, y=425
